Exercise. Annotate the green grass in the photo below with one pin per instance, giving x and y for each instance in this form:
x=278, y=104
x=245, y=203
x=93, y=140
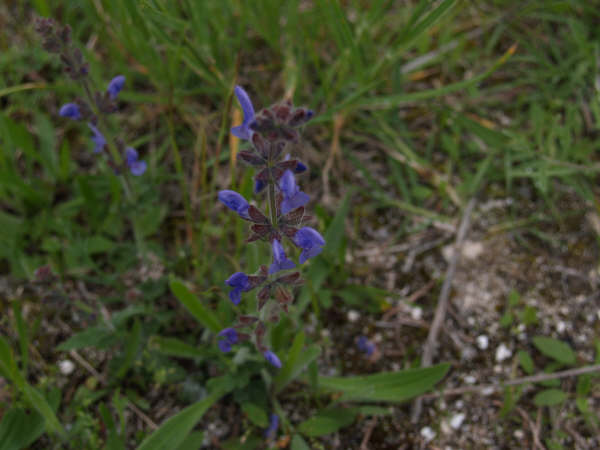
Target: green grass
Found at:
x=421, y=105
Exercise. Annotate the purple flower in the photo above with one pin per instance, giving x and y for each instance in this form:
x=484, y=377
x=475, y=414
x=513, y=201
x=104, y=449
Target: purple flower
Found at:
x=243, y=131
x=235, y=201
x=97, y=139
x=229, y=336
x=280, y=261
x=273, y=425
x=293, y=197
x=259, y=186
x=365, y=345
x=300, y=167
x=70, y=110
x=310, y=241
x=115, y=86
x=136, y=167
x=240, y=282
x=272, y=358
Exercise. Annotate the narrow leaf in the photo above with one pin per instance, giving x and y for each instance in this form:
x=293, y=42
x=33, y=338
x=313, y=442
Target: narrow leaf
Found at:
x=386, y=386
x=193, y=304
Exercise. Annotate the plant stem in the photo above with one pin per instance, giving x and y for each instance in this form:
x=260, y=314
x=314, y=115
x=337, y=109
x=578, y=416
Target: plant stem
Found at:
x=114, y=152
x=272, y=203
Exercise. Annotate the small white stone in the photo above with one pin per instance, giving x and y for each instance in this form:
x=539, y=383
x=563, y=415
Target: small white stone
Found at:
x=459, y=404
x=471, y=320
x=470, y=379
x=66, y=367
x=353, y=315
x=521, y=327
x=503, y=352
x=416, y=313
x=518, y=434
x=445, y=427
x=457, y=420
x=561, y=326
x=487, y=391
x=427, y=433
x=472, y=250
x=483, y=342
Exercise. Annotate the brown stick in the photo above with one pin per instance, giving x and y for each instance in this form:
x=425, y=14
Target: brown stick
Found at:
x=517, y=381
x=442, y=305
x=87, y=366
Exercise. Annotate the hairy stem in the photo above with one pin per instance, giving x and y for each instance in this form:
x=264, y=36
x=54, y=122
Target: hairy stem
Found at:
x=272, y=202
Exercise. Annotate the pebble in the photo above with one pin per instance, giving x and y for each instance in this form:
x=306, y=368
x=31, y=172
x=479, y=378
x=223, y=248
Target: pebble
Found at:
x=472, y=250
x=457, y=420
x=470, y=379
x=353, y=315
x=503, y=352
x=561, y=326
x=519, y=434
x=427, y=433
x=416, y=313
x=66, y=367
x=483, y=342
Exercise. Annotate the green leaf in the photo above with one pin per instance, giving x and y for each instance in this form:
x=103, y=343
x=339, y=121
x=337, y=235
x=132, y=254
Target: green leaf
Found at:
x=336, y=231
x=297, y=360
x=298, y=443
x=20, y=429
x=99, y=337
x=131, y=347
x=193, y=441
x=549, y=397
x=174, y=431
x=526, y=362
x=256, y=414
x=558, y=350
x=327, y=421
x=193, y=304
x=38, y=401
x=386, y=386
x=176, y=347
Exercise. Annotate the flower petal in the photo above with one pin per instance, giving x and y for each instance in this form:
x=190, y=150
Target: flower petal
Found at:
x=272, y=358
x=245, y=103
x=70, y=110
x=115, y=86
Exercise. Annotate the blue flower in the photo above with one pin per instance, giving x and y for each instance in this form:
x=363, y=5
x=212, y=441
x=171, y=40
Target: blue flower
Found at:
x=310, y=241
x=293, y=197
x=136, y=167
x=300, y=167
x=280, y=261
x=235, y=201
x=230, y=337
x=259, y=185
x=272, y=358
x=243, y=131
x=365, y=345
x=273, y=425
x=97, y=139
x=240, y=282
x=115, y=86
x=70, y=110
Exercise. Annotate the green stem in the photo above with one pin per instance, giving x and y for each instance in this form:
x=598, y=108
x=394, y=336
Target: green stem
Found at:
x=114, y=153
x=272, y=203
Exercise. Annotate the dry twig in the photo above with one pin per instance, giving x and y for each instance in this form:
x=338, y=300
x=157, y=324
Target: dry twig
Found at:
x=442, y=305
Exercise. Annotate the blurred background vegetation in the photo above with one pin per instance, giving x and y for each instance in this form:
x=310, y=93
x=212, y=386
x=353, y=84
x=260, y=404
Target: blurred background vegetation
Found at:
x=420, y=106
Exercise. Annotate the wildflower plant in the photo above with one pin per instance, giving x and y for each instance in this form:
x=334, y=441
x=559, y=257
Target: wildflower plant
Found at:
x=281, y=223
x=94, y=108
